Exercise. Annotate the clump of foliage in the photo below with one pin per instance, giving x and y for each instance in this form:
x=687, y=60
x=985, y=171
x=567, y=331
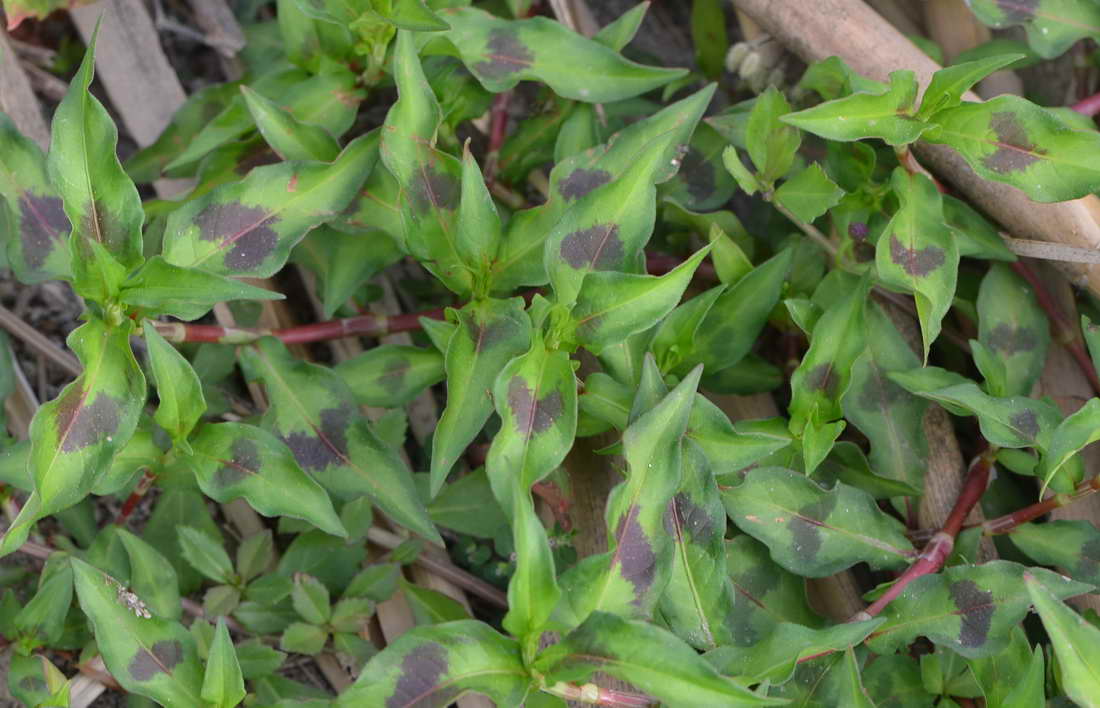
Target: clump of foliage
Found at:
x=557, y=332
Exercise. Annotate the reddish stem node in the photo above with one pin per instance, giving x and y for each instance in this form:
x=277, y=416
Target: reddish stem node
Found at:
x=143, y=486
x=1088, y=106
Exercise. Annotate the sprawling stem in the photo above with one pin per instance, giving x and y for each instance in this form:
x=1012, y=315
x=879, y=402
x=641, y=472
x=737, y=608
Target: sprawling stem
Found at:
x=1088, y=106
x=1009, y=522
x=937, y=550
x=143, y=486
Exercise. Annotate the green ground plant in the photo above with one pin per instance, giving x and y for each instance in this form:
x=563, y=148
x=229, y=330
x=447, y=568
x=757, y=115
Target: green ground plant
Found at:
x=617, y=295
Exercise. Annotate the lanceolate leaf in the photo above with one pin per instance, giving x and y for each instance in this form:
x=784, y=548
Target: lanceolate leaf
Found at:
x=434, y=665
x=947, y=86
x=1073, y=546
x=917, y=253
x=429, y=179
x=968, y=608
x=1013, y=326
x=1011, y=140
x=885, y=115
x=1076, y=641
x=698, y=603
x=317, y=417
x=36, y=235
x=233, y=460
x=75, y=436
x=289, y=137
x=611, y=306
x=345, y=260
x=812, y=531
x=249, y=227
x=488, y=335
x=890, y=417
x=178, y=387
x=151, y=656
x=160, y=288
x=222, y=684
x=500, y=53
x=646, y=656
x=1071, y=436
x=100, y=200
x=152, y=577
x=730, y=446
x=520, y=260
x=1052, y=25
x=391, y=375
x=765, y=594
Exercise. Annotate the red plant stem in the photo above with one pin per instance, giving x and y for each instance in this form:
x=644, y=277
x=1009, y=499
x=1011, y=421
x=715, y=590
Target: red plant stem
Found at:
x=937, y=550
x=143, y=486
x=1009, y=522
x=368, y=325
x=498, y=131
x=1065, y=331
x=1088, y=106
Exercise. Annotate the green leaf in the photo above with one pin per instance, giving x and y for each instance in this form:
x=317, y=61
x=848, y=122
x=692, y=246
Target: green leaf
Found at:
x=488, y=335
x=809, y=194
x=1073, y=546
x=1015, y=677
x=1052, y=25
x=708, y=33
x=222, y=682
x=745, y=179
x=947, y=86
x=1069, y=438
x=1006, y=422
x=772, y=657
x=181, y=403
x=37, y=230
x=1076, y=641
x=205, y=555
x=479, y=231
x=160, y=288
x=432, y=607
x=411, y=15
x=152, y=577
x=733, y=323
x=234, y=460
x=660, y=137
x=890, y=417
x=317, y=417
x=255, y=554
x=100, y=200
x=468, y=506
x=429, y=179
x=434, y=665
x=886, y=115
x=352, y=614
x=699, y=601
x=812, y=531
x=618, y=33
x=310, y=598
x=75, y=436
x=303, y=638
x=917, y=253
x=612, y=306
x=344, y=262
x=771, y=143
x=43, y=617
x=500, y=53
x=646, y=656
x=1011, y=140
x=391, y=375
x=151, y=657
x=968, y=608
x=249, y=227
x=288, y=137
x=1014, y=328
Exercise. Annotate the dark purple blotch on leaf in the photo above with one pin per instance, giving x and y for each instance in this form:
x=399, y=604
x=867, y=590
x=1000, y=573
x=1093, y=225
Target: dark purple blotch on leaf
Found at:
x=246, y=231
x=326, y=445
x=917, y=262
x=486, y=334
x=1015, y=151
x=80, y=425
x=858, y=230
x=505, y=54
x=975, y=610
x=597, y=247
x=634, y=554
x=824, y=378
x=164, y=657
x=245, y=462
x=33, y=684
x=434, y=189
x=698, y=175
x=750, y=587
x=43, y=226
x=879, y=393
x=1009, y=340
x=684, y=516
x=532, y=417
x=1017, y=11
x=805, y=536
x=422, y=672
x=581, y=181
x=1026, y=422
